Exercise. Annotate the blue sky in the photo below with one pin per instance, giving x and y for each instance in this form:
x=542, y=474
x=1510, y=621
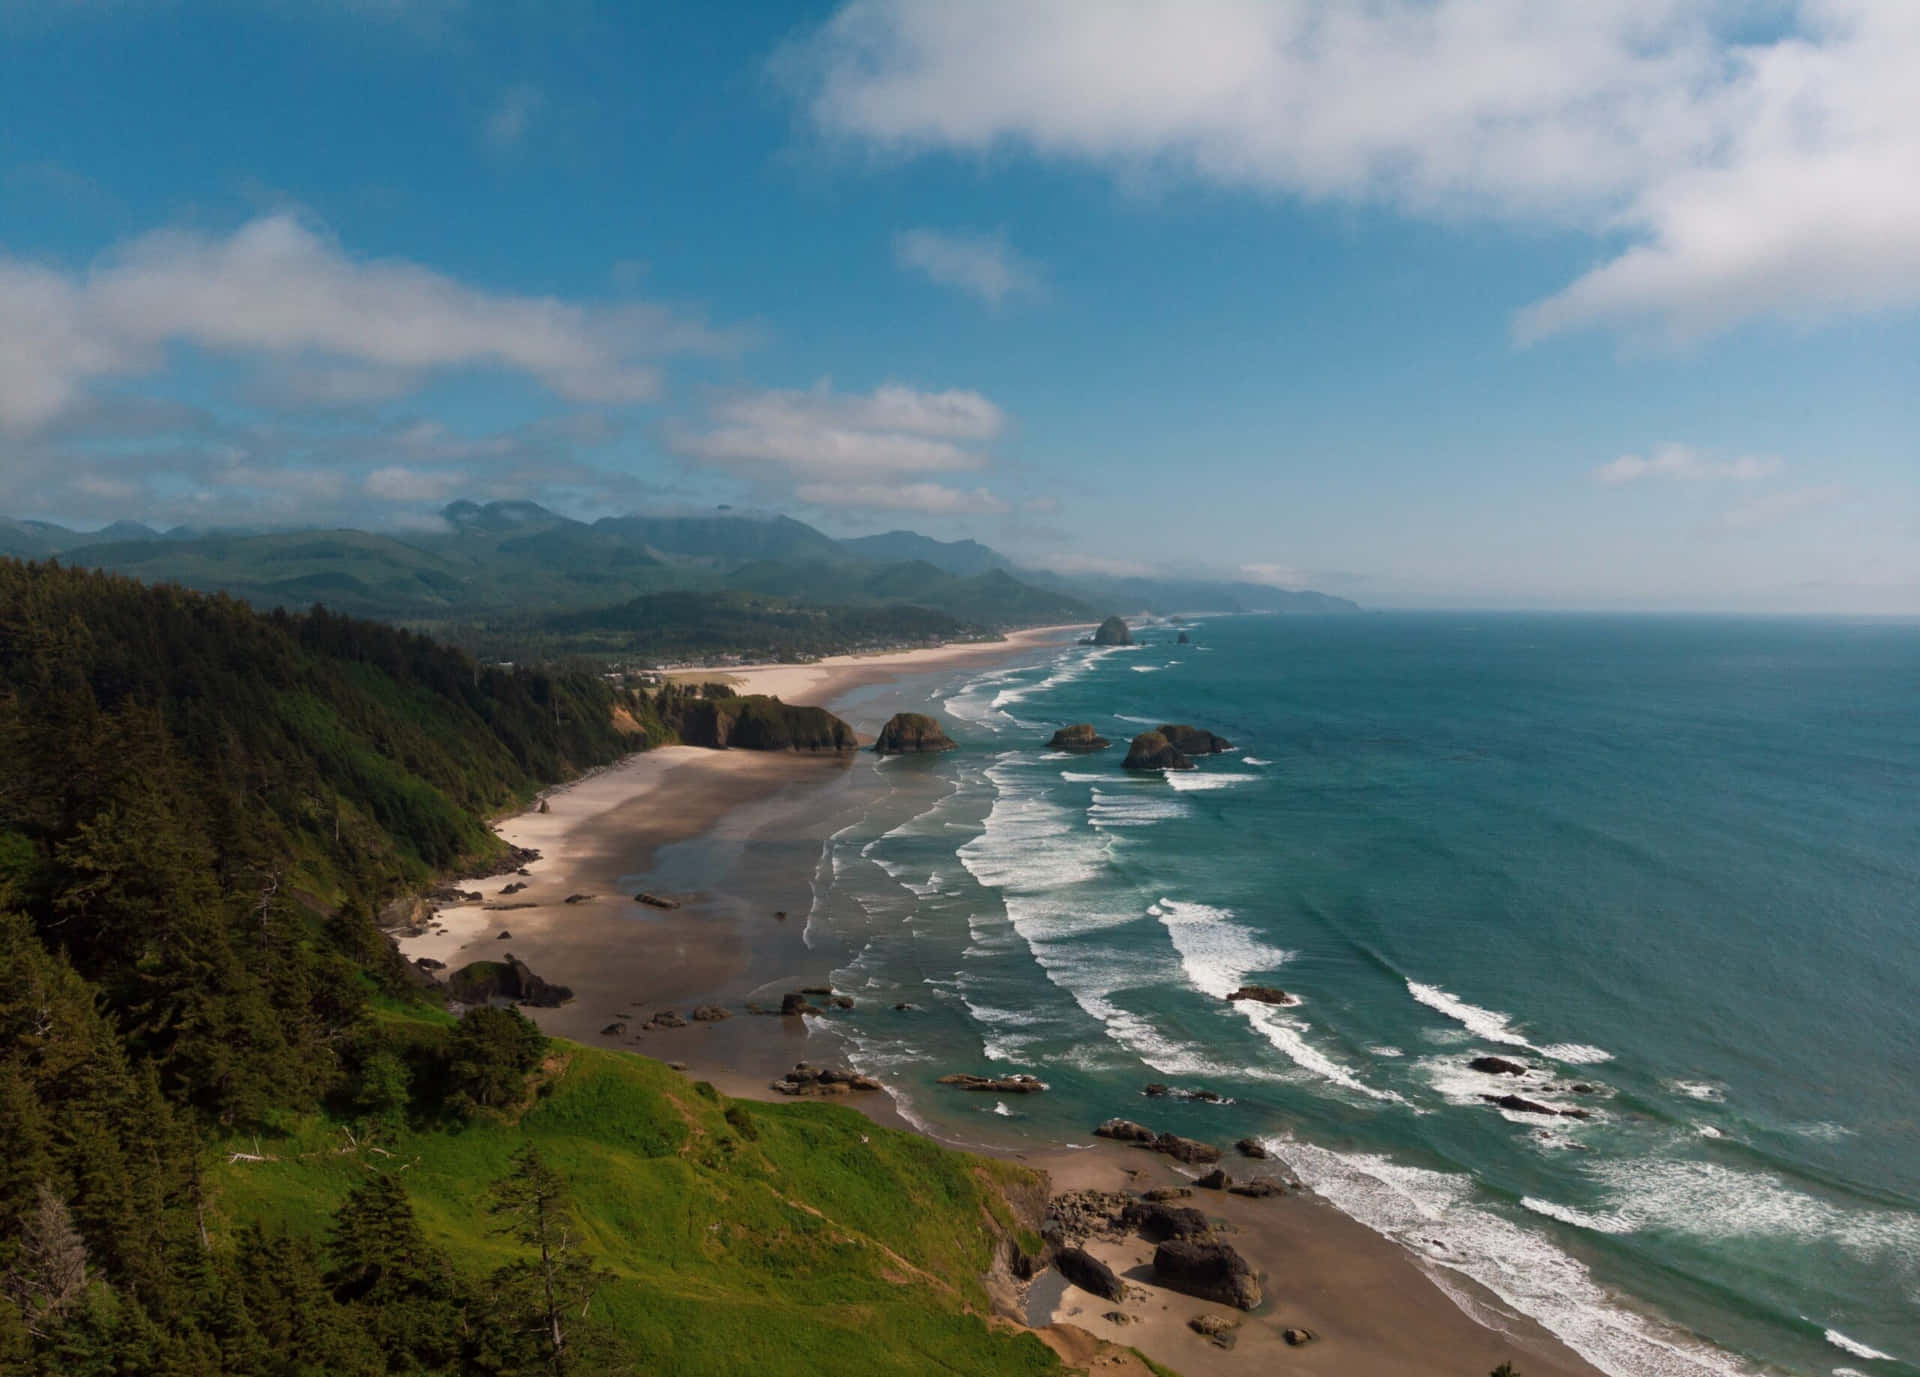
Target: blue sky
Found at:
x=1430, y=304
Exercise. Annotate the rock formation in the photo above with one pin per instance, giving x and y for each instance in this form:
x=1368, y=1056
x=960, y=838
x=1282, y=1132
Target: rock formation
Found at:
x=1251, y=1147
x=509, y=979
x=1089, y=1273
x=1498, y=1066
x=911, y=733
x=1215, y=1180
x=1262, y=994
x=1152, y=751
x=1188, y=1150
x=1521, y=1105
x=1113, y=631
x=997, y=1085
x=823, y=1080
x=1183, y=639
x=1157, y=1222
x=1211, y=1271
x=1193, y=740
x=1124, y=1131
x=1079, y=737
x=758, y=722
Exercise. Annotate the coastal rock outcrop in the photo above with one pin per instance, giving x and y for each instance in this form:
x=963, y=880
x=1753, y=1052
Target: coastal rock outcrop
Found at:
x=998, y=1085
x=1498, y=1066
x=755, y=722
x=1262, y=994
x=1189, y=1150
x=1193, y=740
x=1124, y=1131
x=655, y=900
x=1152, y=751
x=1209, y=1270
x=1217, y=1330
x=806, y=1079
x=1089, y=1273
x=1251, y=1147
x=1215, y=1180
x=1257, y=1190
x=1183, y=639
x=912, y=733
x=1080, y=737
x=509, y=978
x=1112, y=631
x=1157, y=1222
x=1521, y=1105
x=711, y=1013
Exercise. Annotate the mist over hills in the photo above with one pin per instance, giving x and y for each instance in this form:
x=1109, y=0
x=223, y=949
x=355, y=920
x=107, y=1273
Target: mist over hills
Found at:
x=502, y=573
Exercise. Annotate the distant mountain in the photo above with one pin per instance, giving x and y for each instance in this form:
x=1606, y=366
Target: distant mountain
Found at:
x=1188, y=595
x=501, y=518
x=724, y=539
x=963, y=557
x=992, y=599
x=34, y=539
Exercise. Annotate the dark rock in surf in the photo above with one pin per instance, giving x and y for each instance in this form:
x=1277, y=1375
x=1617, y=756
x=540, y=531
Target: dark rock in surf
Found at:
x=1183, y=639
x=1080, y=737
x=1498, y=1066
x=1188, y=1150
x=1124, y=1131
x=995, y=1085
x=1215, y=1180
x=1193, y=740
x=1261, y=994
x=1251, y=1147
x=1112, y=631
x=1152, y=751
x=912, y=733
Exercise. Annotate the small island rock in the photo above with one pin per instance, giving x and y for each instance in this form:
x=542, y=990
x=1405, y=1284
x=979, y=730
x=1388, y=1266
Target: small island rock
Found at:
x=1113, y=631
x=911, y=733
x=1193, y=740
x=1152, y=751
x=1079, y=737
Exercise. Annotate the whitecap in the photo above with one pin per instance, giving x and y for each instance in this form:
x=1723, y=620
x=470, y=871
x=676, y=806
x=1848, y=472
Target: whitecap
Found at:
x=1383, y=1050
x=1256, y=760
x=1580, y=1219
x=1498, y=1027
x=1195, y=781
x=1708, y=1200
x=1146, y=669
x=1856, y=1348
x=1697, y=1090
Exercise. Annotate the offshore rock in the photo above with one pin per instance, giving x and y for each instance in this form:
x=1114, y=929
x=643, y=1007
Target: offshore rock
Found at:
x=997, y=1085
x=1499, y=1066
x=1251, y=1147
x=1113, y=631
x=1521, y=1105
x=1211, y=1271
x=1188, y=1150
x=912, y=733
x=1194, y=740
x=1124, y=1131
x=1079, y=737
x=1262, y=994
x=1152, y=751
x=1183, y=639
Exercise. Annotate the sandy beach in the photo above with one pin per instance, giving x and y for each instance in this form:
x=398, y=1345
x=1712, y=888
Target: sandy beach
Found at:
x=733, y=838
x=822, y=681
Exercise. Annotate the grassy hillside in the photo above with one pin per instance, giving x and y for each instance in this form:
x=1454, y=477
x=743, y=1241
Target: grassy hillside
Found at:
x=740, y=1237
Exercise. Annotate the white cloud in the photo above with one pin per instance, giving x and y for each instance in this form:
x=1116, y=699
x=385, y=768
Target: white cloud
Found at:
x=507, y=122
x=1776, y=507
x=1753, y=164
x=984, y=267
x=1094, y=564
x=277, y=291
x=822, y=435
x=932, y=499
x=396, y=483
x=1686, y=462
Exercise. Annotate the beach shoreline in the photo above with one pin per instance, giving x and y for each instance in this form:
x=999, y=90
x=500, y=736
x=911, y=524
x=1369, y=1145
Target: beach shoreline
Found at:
x=751, y=826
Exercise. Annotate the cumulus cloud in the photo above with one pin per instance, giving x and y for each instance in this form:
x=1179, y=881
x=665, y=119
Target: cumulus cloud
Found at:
x=981, y=266
x=931, y=499
x=1747, y=168
x=277, y=291
x=1686, y=462
x=507, y=122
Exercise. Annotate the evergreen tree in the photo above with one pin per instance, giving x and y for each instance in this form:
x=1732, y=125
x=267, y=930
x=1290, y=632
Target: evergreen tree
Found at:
x=544, y=1297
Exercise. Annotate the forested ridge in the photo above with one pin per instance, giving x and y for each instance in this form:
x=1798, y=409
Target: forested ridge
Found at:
x=241, y=1137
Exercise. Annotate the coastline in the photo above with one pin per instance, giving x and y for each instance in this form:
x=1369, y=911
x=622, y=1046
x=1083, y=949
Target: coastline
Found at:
x=733, y=836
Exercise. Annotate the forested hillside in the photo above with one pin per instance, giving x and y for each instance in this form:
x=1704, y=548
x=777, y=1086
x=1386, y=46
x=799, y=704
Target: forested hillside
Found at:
x=241, y=1137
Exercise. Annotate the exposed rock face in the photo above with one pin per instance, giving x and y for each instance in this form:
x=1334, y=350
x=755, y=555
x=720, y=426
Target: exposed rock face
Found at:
x=509, y=978
x=1183, y=639
x=665, y=1018
x=997, y=1085
x=1188, y=1150
x=1157, y=1222
x=1262, y=994
x=757, y=722
x=1124, y=1131
x=710, y=1013
x=1078, y=1215
x=1250, y=1147
x=1113, y=631
x=1499, y=1066
x=1160, y=1194
x=1211, y=1271
x=1217, y=1330
x=1521, y=1105
x=1297, y=1337
x=912, y=733
x=1215, y=1180
x=793, y=1002
x=1152, y=751
x=1193, y=740
x=805, y=1079
x=1256, y=1190
x=1089, y=1273
x=613, y=1030
x=1079, y=737
x=579, y=898
x=655, y=900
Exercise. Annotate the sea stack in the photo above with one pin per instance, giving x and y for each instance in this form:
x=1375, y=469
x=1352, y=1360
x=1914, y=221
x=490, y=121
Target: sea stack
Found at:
x=1194, y=740
x=1183, y=639
x=1152, y=751
x=1113, y=631
x=912, y=733
x=1079, y=737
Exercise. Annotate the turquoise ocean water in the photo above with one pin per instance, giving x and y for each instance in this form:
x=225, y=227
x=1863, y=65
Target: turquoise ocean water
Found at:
x=1673, y=860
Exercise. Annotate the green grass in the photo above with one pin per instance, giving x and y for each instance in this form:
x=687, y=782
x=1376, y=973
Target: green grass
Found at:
x=809, y=1237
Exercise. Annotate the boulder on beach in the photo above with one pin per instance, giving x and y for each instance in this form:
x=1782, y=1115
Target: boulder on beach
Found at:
x=794, y=1002
x=806, y=1079
x=1089, y=1273
x=1215, y=1180
x=1112, y=631
x=1124, y=1131
x=710, y=1013
x=653, y=900
x=912, y=733
x=507, y=979
x=1152, y=751
x=1188, y=1150
x=1209, y=1270
x=1251, y=1147
x=1079, y=737
x=1257, y=1190
x=1217, y=1330
x=1157, y=1222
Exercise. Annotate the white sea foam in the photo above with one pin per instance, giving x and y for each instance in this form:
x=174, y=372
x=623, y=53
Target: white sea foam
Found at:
x=1697, y=1090
x=1438, y=1215
x=1708, y=1131
x=1709, y=1200
x=1137, y=721
x=1131, y=810
x=1498, y=1027
x=1194, y=781
x=1256, y=760
x=1856, y=1348
x=1145, y=669
x=1382, y=1050
x=1580, y=1219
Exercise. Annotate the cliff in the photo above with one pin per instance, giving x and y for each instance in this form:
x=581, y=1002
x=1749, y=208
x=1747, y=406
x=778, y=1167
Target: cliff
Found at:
x=757, y=722
x=1113, y=631
x=912, y=733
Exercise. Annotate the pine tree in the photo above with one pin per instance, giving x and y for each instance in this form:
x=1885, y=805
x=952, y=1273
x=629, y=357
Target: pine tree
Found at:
x=49, y=1272
x=542, y=1294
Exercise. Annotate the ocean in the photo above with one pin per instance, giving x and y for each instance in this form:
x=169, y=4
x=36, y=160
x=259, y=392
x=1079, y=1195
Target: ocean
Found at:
x=1670, y=865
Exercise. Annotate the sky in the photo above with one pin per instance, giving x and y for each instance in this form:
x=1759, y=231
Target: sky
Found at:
x=1427, y=303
